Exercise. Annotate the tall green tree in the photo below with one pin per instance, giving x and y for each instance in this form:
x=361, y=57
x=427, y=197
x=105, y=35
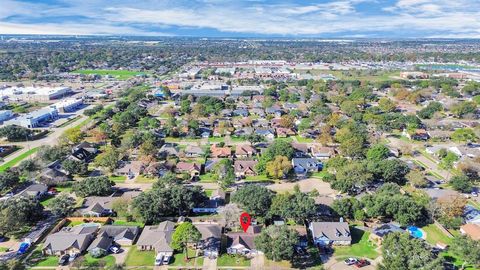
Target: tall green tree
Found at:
x=401, y=252
x=277, y=242
x=255, y=199
x=93, y=186
x=185, y=233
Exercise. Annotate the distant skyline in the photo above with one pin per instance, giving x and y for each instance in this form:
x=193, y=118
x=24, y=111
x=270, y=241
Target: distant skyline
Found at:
x=245, y=18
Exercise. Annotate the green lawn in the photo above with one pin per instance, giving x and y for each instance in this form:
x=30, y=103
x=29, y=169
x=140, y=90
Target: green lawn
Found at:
x=144, y=179
x=207, y=178
x=137, y=257
x=300, y=139
x=179, y=259
x=435, y=235
x=361, y=246
x=232, y=261
x=46, y=200
x=108, y=260
x=118, y=178
x=261, y=177
x=3, y=249
x=38, y=259
x=456, y=260
x=16, y=160
x=208, y=192
x=128, y=223
x=320, y=174
x=119, y=74
x=83, y=123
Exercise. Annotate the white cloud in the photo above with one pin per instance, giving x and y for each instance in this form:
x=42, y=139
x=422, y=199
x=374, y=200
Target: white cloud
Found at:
x=435, y=17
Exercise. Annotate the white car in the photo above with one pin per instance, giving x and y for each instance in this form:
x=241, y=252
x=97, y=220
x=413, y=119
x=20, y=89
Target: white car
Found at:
x=72, y=257
x=474, y=194
x=351, y=261
x=114, y=249
x=159, y=260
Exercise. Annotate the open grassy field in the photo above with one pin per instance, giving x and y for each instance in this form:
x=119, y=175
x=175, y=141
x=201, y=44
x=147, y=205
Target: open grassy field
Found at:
x=18, y=159
x=119, y=74
x=361, y=247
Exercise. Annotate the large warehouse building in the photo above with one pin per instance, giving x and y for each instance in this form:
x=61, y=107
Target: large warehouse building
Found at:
x=34, y=93
x=35, y=118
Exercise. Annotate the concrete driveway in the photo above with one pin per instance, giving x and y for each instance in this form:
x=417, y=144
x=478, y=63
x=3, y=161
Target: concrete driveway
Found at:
x=209, y=264
x=122, y=256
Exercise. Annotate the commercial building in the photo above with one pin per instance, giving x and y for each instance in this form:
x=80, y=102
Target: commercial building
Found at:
x=34, y=93
x=35, y=118
x=5, y=115
x=68, y=105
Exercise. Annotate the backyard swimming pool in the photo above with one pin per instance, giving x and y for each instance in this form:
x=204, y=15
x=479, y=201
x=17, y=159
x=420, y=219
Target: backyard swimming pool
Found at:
x=415, y=232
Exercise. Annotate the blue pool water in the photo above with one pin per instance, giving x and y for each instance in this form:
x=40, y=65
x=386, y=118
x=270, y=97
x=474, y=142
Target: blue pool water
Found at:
x=415, y=232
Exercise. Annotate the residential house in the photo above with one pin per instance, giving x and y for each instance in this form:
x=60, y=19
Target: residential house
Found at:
x=383, y=230
x=211, y=238
x=303, y=166
x=157, y=238
x=69, y=240
x=185, y=167
x=54, y=173
x=301, y=150
x=245, y=168
x=220, y=152
x=243, y=131
x=169, y=149
x=322, y=152
x=131, y=169
x=471, y=215
x=471, y=230
x=418, y=135
x=34, y=190
x=240, y=112
x=245, y=151
x=121, y=235
x=158, y=169
x=84, y=151
x=284, y=132
x=267, y=133
x=330, y=233
x=242, y=243
x=100, y=245
x=211, y=205
x=193, y=151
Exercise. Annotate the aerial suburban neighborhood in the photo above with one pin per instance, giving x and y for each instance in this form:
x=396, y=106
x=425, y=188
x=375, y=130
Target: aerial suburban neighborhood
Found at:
x=239, y=154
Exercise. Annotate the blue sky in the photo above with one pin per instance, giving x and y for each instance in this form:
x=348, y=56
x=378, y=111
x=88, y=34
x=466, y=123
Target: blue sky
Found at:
x=245, y=18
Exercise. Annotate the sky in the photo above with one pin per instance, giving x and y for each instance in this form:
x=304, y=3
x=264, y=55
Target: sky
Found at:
x=245, y=18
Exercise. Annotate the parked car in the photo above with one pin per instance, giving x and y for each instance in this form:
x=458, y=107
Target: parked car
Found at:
x=474, y=194
x=159, y=260
x=114, y=249
x=23, y=248
x=73, y=257
x=166, y=260
x=63, y=260
x=361, y=263
x=351, y=261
